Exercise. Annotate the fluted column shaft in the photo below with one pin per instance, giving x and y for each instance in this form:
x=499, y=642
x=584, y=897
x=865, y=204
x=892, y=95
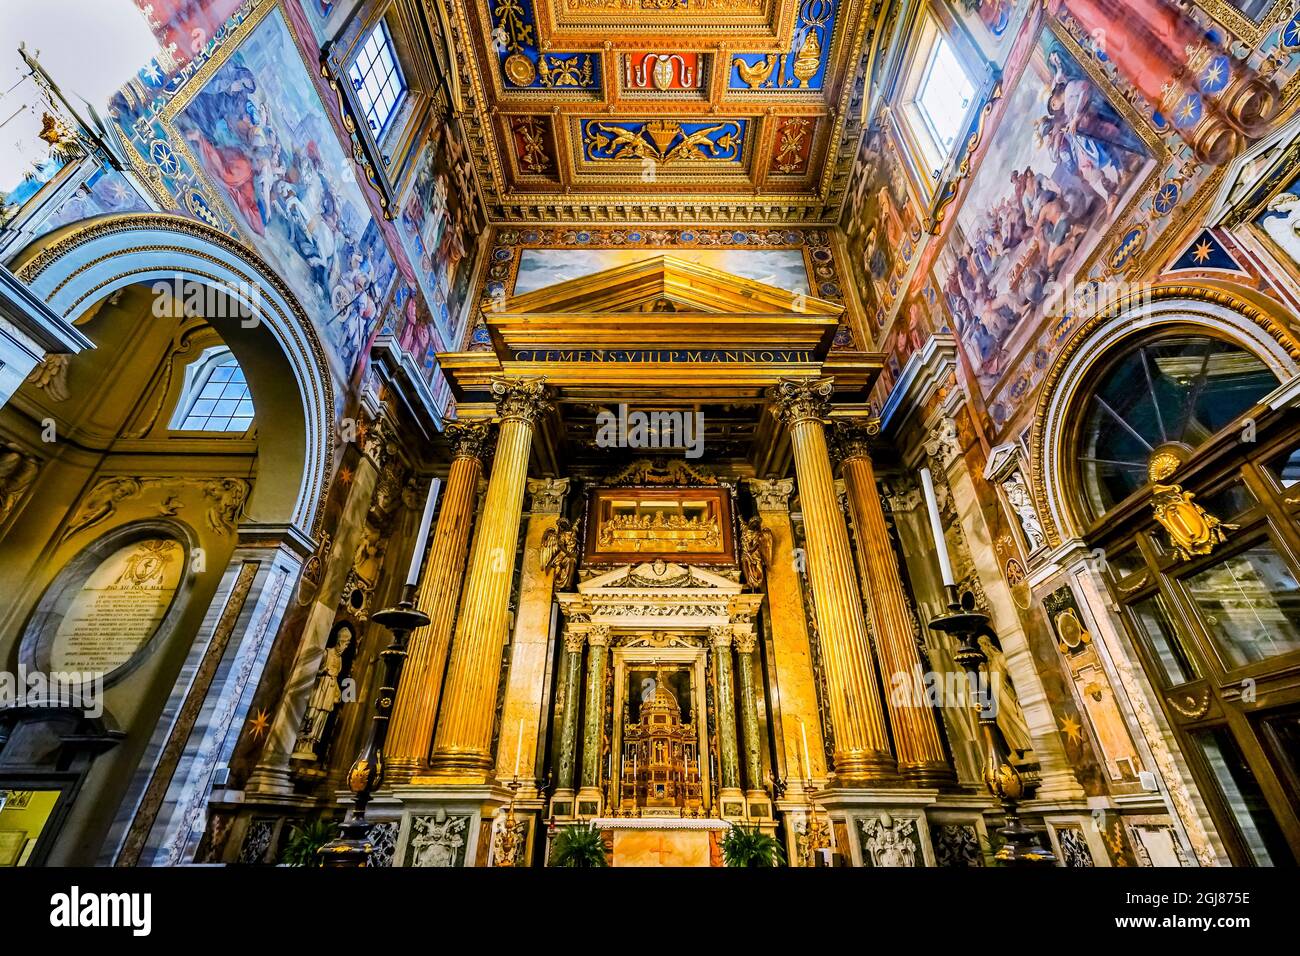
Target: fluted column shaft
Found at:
x=745, y=642
x=916, y=733
x=728, y=767
x=573, y=642
x=411, y=735
x=593, y=731
x=463, y=740
x=862, y=753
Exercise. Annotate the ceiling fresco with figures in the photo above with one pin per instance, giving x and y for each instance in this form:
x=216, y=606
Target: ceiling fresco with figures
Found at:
x=663, y=110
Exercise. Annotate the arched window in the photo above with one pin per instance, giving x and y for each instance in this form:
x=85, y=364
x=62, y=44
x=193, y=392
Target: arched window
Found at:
x=1176, y=390
x=215, y=396
x=1186, y=479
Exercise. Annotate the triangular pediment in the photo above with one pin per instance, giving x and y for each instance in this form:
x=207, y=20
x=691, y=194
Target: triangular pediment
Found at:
x=666, y=284
x=658, y=574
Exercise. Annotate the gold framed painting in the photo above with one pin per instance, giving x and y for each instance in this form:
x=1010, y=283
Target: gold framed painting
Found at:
x=631, y=525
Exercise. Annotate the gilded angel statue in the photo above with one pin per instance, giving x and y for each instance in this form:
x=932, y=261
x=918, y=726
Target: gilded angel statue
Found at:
x=559, y=552
x=755, y=552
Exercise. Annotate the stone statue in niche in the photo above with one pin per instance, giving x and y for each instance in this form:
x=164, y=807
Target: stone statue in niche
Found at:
x=890, y=842
x=437, y=840
x=327, y=693
x=755, y=552
x=1022, y=503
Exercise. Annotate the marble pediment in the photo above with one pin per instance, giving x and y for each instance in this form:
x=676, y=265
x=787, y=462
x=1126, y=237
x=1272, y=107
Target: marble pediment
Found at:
x=659, y=574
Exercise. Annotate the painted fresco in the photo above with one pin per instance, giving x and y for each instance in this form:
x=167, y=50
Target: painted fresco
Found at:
x=185, y=27
x=1280, y=221
x=783, y=268
x=882, y=225
x=105, y=191
x=327, y=16
x=439, y=224
x=259, y=131
x=1058, y=170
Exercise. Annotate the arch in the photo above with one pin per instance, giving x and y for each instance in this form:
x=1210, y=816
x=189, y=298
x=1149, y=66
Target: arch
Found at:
x=78, y=266
x=1241, y=315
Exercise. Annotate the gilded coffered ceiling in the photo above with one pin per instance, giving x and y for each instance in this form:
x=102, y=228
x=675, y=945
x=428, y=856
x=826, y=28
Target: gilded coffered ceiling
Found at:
x=662, y=110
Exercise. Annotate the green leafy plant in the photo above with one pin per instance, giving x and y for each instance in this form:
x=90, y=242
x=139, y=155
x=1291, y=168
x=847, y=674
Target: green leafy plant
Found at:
x=578, y=846
x=305, y=840
x=751, y=847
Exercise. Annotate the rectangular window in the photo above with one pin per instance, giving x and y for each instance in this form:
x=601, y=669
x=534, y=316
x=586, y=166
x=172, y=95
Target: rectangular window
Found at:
x=1250, y=605
x=944, y=96
x=937, y=98
x=1162, y=638
x=1244, y=798
x=377, y=80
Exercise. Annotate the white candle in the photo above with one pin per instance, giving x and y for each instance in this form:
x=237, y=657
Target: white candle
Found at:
x=519, y=746
x=417, y=556
x=936, y=528
x=807, y=766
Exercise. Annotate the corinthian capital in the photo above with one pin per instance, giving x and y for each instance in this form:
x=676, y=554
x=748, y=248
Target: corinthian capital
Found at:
x=720, y=635
x=521, y=399
x=548, y=494
x=801, y=399
x=772, y=495
x=467, y=439
x=854, y=438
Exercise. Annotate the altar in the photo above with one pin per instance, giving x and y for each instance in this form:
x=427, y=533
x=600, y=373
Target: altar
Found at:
x=648, y=841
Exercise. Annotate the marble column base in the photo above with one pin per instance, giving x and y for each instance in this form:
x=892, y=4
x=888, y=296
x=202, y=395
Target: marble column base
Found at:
x=590, y=802
x=446, y=825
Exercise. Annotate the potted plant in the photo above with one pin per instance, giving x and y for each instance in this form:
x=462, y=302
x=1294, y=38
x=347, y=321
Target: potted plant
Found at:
x=744, y=846
x=305, y=841
x=578, y=846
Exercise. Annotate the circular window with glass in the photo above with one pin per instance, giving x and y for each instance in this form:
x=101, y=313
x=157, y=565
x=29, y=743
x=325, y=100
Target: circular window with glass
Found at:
x=1189, y=483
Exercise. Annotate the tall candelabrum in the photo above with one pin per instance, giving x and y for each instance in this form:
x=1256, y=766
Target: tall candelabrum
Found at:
x=1020, y=845
x=352, y=847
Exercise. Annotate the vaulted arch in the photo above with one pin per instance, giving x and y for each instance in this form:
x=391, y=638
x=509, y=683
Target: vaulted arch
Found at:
x=75, y=268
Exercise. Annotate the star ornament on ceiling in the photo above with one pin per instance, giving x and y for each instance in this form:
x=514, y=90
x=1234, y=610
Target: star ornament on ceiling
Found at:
x=259, y=725
x=1203, y=251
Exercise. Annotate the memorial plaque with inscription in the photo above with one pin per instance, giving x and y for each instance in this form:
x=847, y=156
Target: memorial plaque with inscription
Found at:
x=119, y=607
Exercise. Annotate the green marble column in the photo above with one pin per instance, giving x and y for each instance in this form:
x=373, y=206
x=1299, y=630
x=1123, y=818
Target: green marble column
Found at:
x=593, y=733
x=729, y=769
x=745, y=642
x=573, y=643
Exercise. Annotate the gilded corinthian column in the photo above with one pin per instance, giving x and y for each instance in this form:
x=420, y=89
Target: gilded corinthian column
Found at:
x=411, y=734
x=462, y=744
x=916, y=733
x=862, y=754
x=593, y=729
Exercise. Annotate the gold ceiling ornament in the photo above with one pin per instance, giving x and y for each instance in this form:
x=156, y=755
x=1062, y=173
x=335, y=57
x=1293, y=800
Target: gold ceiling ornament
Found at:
x=665, y=141
x=1193, y=531
x=532, y=144
x=573, y=71
x=755, y=75
x=789, y=148
x=807, y=59
x=520, y=69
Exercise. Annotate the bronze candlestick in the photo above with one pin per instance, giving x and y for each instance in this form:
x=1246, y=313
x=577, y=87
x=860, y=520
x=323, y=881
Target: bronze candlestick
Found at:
x=352, y=847
x=1020, y=846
